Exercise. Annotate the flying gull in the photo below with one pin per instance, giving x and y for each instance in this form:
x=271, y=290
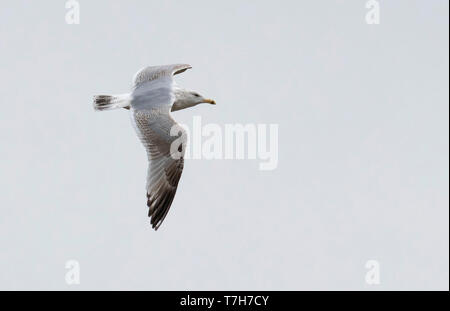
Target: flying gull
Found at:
x=153, y=97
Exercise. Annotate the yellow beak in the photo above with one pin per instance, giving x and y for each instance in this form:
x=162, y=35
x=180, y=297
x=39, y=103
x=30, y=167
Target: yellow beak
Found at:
x=209, y=101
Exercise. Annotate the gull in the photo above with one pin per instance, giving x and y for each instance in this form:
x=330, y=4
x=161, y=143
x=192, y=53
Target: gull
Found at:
x=154, y=95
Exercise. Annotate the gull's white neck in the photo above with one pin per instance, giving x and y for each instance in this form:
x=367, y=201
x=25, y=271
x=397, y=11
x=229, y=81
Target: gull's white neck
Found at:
x=183, y=98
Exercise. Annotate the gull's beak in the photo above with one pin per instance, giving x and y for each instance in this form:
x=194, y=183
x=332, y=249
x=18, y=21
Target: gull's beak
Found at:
x=209, y=101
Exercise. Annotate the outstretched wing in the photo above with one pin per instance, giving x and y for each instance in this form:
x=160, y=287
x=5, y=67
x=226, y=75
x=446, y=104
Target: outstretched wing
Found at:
x=152, y=73
x=153, y=86
x=165, y=143
x=152, y=99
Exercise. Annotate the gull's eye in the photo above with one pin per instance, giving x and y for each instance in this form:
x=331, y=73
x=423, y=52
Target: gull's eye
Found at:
x=196, y=95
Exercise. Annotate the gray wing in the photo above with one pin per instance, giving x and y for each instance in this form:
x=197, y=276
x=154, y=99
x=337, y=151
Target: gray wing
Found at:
x=152, y=73
x=166, y=158
x=152, y=99
x=152, y=86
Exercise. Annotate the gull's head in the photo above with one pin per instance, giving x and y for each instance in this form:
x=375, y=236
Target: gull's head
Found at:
x=195, y=98
x=186, y=98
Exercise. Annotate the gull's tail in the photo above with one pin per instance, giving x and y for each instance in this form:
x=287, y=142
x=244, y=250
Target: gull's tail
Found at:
x=108, y=102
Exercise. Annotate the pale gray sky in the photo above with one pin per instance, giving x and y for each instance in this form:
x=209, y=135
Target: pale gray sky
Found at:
x=363, y=146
